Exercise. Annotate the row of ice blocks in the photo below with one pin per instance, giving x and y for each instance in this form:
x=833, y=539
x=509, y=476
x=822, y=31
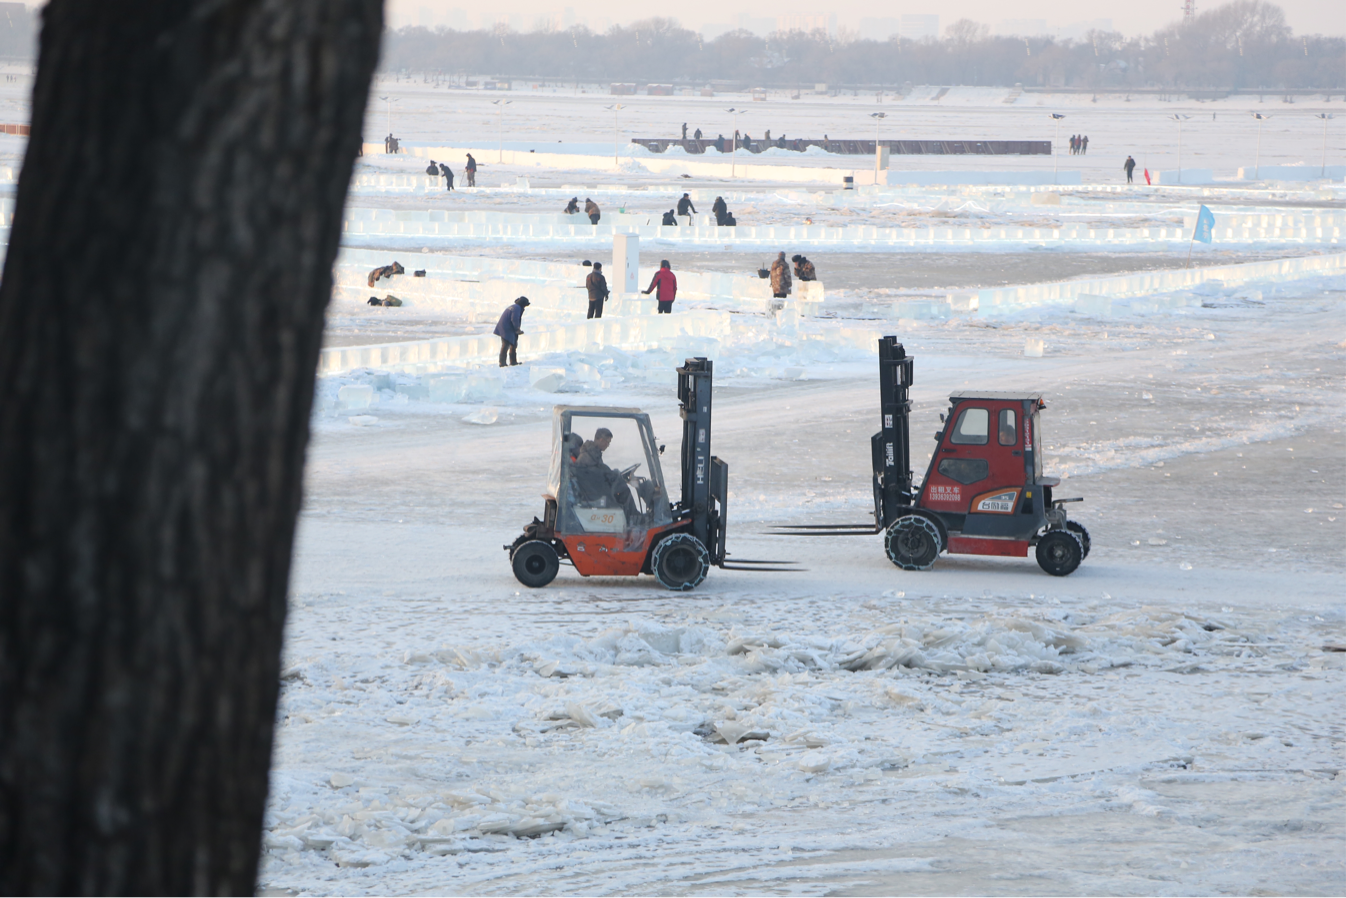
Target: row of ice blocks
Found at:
x=772, y=237
x=865, y=197
x=1207, y=280
x=423, y=356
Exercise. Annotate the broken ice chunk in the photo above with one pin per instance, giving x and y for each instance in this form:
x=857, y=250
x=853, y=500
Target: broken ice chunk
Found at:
x=354, y=396
x=486, y=415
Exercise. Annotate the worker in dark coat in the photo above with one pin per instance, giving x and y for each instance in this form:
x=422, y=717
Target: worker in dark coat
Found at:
x=433, y=169
x=669, y=220
x=697, y=134
x=685, y=207
x=666, y=283
x=719, y=143
x=804, y=269
x=597, y=285
x=1129, y=166
x=573, y=207
x=509, y=328
x=448, y=176
x=780, y=277
x=591, y=210
x=471, y=171
x=721, y=210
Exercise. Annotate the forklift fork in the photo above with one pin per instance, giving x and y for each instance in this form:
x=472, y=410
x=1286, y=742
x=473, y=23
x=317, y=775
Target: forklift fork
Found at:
x=890, y=449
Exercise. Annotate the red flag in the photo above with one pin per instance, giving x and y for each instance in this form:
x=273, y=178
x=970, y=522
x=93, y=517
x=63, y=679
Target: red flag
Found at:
x=1147, y=176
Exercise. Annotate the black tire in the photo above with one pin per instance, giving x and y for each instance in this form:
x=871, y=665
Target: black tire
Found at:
x=680, y=562
x=1077, y=528
x=535, y=563
x=913, y=543
x=1060, y=552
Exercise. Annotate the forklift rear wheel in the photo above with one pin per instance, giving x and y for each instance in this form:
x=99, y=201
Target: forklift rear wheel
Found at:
x=1077, y=528
x=680, y=562
x=913, y=543
x=535, y=563
x=1060, y=552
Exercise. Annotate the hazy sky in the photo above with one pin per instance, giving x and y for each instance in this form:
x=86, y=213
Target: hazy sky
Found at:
x=1128, y=16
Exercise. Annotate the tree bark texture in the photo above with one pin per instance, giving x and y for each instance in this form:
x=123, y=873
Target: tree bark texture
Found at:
x=161, y=314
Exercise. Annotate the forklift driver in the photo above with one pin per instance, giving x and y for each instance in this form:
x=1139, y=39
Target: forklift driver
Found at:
x=1009, y=434
x=596, y=481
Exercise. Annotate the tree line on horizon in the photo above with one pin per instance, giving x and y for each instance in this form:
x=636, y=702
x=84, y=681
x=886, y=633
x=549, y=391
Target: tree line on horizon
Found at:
x=1244, y=44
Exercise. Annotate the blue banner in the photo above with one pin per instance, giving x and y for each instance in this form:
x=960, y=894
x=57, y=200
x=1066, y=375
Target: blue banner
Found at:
x=1205, y=223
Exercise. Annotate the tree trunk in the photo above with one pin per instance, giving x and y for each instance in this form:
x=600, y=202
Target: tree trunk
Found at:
x=161, y=315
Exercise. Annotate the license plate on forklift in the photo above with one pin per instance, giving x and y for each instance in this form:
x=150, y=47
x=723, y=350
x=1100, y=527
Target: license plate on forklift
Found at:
x=602, y=520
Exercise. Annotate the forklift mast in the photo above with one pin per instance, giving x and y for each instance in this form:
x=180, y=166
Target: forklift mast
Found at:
x=891, y=446
x=705, y=479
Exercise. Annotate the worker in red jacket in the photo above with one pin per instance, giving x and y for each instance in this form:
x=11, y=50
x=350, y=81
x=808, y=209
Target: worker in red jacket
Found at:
x=667, y=286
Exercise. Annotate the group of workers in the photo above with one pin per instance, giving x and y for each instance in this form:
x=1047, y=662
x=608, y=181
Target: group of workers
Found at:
x=440, y=170
x=684, y=209
x=590, y=209
x=781, y=281
x=664, y=286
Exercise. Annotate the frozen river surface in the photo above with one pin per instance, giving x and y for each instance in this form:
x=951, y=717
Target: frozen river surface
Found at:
x=1168, y=720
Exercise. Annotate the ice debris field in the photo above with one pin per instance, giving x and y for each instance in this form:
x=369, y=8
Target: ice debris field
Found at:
x=1167, y=720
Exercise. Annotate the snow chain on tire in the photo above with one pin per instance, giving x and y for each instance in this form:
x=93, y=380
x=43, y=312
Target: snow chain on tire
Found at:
x=680, y=562
x=1077, y=528
x=913, y=543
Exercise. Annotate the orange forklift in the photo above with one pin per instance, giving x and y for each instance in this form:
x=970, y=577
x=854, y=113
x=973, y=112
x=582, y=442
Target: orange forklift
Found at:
x=984, y=492
x=607, y=518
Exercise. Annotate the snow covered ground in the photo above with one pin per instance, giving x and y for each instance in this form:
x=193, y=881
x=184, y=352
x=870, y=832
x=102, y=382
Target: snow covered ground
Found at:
x=1166, y=720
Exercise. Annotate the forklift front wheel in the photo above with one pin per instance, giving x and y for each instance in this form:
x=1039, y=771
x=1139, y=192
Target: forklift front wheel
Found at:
x=1060, y=552
x=535, y=563
x=680, y=562
x=913, y=543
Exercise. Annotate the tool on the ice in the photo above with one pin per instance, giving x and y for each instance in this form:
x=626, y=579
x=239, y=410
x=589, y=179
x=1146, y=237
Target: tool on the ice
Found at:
x=984, y=492
x=606, y=520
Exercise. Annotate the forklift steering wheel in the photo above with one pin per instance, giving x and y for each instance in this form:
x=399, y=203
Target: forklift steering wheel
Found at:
x=629, y=471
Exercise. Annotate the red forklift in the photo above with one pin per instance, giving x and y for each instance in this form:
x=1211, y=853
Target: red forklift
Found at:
x=606, y=518
x=984, y=492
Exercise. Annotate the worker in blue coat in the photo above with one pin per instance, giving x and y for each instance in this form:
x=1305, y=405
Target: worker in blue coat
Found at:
x=508, y=329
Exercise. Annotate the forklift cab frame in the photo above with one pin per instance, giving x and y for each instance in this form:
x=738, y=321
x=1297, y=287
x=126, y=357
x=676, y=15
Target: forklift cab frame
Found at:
x=602, y=533
x=985, y=477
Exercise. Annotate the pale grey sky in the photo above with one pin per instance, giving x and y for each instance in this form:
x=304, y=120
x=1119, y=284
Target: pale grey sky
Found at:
x=1130, y=17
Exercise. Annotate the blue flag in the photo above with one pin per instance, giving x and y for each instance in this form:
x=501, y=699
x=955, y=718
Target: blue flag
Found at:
x=1205, y=223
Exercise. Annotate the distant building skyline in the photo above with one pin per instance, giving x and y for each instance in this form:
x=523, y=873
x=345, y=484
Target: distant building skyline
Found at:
x=1030, y=17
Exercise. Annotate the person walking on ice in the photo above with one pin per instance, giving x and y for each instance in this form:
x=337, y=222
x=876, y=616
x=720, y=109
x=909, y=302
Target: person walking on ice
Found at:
x=667, y=284
x=509, y=328
x=470, y=170
x=1129, y=166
